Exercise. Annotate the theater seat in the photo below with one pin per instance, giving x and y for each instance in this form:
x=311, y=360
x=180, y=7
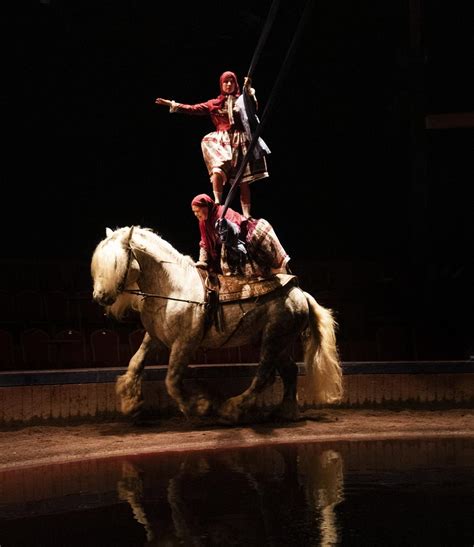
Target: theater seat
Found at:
x=105, y=347
x=7, y=350
x=70, y=349
x=36, y=349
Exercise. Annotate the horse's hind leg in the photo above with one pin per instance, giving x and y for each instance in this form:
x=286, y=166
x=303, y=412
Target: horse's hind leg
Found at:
x=288, y=408
x=273, y=356
x=234, y=407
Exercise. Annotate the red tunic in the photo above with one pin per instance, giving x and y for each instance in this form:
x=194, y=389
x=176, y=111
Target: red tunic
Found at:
x=223, y=148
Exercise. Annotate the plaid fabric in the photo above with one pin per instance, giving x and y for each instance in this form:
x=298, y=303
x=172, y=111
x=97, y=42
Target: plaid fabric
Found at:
x=222, y=151
x=264, y=246
x=264, y=252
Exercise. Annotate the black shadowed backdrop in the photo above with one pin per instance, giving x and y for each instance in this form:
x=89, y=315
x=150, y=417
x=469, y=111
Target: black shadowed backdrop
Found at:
x=359, y=175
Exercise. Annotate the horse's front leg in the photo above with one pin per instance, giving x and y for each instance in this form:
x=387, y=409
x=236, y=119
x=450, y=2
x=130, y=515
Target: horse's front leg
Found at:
x=191, y=401
x=129, y=385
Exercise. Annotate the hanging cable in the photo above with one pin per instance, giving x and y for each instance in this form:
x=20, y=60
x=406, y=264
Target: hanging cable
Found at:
x=263, y=37
x=259, y=128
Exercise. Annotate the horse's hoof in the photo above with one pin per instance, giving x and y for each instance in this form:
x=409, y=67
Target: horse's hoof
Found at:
x=131, y=409
x=286, y=413
x=138, y=416
x=229, y=412
x=202, y=406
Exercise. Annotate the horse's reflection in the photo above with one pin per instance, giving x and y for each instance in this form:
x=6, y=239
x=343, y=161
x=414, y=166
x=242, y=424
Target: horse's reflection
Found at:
x=323, y=479
x=130, y=489
x=244, y=497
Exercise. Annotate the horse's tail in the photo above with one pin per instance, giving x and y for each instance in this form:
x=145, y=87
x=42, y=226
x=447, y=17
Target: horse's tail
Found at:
x=321, y=356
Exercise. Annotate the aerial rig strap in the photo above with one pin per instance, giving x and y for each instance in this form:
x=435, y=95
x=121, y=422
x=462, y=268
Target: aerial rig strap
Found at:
x=256, y=125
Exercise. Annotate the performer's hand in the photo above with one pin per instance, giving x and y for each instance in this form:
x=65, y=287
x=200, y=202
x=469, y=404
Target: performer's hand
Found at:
x=164, y=102
x=247, y=86
x=200, y=264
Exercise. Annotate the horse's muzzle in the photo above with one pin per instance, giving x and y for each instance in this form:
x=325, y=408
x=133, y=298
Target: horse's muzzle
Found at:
x=103, y=299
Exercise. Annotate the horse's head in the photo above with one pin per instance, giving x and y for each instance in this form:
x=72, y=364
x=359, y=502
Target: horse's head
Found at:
x=113, y=266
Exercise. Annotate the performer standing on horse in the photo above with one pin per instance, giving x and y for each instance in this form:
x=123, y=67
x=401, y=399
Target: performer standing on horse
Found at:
x=224, y=149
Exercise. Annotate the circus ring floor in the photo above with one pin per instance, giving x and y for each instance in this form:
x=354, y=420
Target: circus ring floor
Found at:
x=41, y=445
x=67, y=415
x=398, y=449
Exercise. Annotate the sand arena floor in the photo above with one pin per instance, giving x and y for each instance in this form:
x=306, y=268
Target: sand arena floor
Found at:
x=48, y=444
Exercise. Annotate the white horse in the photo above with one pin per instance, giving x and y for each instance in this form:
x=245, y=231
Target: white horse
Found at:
x=173, y=311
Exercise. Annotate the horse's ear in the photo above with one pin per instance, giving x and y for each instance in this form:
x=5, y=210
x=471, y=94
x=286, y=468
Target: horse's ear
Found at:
x=130, y=234
x=108, y=232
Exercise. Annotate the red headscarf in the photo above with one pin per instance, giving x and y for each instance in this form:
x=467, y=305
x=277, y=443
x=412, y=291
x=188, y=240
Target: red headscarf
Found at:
x=225, y=76
x=220, y=100
x=209, y=238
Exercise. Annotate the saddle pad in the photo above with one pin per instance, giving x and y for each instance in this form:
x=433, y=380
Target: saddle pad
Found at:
x=235, y=287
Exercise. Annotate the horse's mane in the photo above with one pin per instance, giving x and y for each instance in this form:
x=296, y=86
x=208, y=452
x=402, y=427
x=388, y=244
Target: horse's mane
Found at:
x=153, y=238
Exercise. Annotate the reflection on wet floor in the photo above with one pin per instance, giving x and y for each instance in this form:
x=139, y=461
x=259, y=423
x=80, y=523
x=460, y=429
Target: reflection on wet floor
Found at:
x=410, y=492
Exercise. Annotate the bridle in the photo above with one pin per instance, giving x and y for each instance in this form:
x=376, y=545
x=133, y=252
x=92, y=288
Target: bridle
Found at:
x=121, y=286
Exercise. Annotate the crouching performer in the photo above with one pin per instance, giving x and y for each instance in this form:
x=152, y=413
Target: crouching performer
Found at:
x=236, y=245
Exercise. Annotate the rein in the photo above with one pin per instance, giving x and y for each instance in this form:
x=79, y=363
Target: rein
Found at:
x=138, y=292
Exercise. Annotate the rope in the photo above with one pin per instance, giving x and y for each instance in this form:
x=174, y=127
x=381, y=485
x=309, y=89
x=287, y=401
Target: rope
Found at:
x=284, y=67
x=263, y=37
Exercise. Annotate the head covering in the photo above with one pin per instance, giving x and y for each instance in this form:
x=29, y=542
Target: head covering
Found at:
x=218, y=103
x=202, y=200
x=225, y=76
x=207, y=228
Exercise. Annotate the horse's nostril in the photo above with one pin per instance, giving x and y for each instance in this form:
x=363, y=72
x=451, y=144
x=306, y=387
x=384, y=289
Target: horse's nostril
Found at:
x=103, y=299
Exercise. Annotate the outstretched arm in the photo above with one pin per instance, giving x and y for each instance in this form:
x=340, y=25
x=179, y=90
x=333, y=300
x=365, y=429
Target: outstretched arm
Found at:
x=199, y=109
x=164, y=102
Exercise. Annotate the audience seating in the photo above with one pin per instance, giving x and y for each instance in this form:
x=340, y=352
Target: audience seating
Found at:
x=48, y=318
x=393, y=343
x=7, y=309
x=57, y=307
x=7, y=350
x=69, y=348
x=36, y=349
x=86, y=311
x=105, y=347
x=29, y=305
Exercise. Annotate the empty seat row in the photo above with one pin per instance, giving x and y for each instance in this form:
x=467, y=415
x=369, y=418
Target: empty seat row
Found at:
x=31, y=308
x=36, y=349
x=68, y=348
x=20, y=274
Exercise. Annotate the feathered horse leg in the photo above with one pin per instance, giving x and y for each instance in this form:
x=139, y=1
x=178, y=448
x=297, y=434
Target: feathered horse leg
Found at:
x=288, y=408
x=191, y=400
x=129, y=385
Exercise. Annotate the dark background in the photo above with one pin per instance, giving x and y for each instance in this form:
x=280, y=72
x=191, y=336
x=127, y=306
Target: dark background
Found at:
x=355, y=176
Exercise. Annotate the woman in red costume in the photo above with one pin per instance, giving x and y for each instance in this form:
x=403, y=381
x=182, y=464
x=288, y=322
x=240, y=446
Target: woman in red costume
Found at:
x=224, y=148
x=251, y=247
